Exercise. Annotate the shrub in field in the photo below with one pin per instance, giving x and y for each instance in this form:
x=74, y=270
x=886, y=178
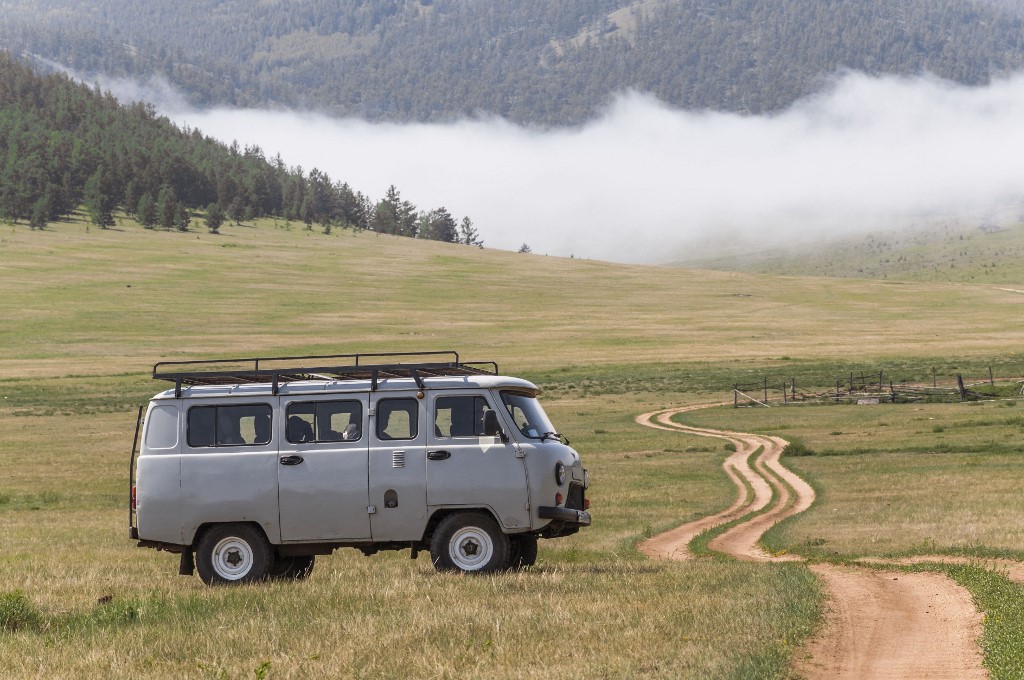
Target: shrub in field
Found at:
x=798, y=448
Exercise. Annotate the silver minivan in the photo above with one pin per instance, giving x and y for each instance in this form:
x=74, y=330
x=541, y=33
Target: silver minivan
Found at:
x=255, y=466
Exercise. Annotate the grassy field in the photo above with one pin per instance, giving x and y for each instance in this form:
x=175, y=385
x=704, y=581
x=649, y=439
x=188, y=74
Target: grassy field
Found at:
x=896, y=480
x=85, y=314
x=77, y=302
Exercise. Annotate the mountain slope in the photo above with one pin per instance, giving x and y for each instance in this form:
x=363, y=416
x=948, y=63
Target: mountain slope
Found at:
x=548, y=63
x=63, y=144
x=989, y=251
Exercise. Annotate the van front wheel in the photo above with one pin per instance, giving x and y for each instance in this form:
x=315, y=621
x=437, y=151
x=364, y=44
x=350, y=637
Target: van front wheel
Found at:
x=469, y=542
x=232, y=553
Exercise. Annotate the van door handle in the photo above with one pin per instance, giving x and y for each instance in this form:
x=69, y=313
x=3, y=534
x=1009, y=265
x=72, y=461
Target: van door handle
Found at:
x=438, y=455
x=291, y=460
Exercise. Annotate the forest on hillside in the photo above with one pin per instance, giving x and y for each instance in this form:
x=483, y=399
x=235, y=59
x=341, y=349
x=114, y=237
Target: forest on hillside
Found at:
x=65, y=145
x=553, y=63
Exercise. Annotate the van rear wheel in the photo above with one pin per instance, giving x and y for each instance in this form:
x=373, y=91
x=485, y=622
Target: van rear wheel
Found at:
x=296, y=567
x=232, y=553
x=469, y=542
x=524, y=551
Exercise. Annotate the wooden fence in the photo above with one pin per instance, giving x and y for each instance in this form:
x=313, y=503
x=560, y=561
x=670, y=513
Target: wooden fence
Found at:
x=873, y=388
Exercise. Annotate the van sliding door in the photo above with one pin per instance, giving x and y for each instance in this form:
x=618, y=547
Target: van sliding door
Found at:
x=322, y=468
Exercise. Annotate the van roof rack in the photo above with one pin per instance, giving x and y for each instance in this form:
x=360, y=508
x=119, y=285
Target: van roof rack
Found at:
x=277, y=370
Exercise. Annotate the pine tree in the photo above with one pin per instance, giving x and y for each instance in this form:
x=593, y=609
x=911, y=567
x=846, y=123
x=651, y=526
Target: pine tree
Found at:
x=40, y=213
x=214, y=217
x=237, y=210
x=146, y=212
x=183, y=218
x=468, y=234
x=439, y=225
x=306, y=212
x=132, y=194
x=167, y=207
x=98, y=200
x=385, y=218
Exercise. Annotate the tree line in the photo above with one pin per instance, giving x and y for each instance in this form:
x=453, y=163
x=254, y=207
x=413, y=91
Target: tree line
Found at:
x=553, y=63
x=64, y=145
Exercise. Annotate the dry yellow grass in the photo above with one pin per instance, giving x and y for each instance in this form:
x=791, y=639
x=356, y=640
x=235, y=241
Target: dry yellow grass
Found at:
x=592, y=607
x=99, y=302
x=900, y=479
x=102, y=307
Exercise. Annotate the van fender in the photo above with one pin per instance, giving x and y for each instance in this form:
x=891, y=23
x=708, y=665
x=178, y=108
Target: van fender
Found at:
x=197, y=535
x=439, y=514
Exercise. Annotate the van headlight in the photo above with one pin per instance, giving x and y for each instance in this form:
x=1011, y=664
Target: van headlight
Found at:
x=560, y=474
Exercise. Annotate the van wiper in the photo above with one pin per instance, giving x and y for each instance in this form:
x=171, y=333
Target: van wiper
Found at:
x=554, y=435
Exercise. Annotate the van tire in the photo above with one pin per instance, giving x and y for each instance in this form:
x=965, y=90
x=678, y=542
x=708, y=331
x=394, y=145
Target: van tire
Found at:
x=470, y=542
x=231, y=554
x=524, y=551
x=295, y=567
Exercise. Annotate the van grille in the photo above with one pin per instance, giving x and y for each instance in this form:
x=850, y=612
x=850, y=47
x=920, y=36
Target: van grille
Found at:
x=398, y=459
x=574, y=501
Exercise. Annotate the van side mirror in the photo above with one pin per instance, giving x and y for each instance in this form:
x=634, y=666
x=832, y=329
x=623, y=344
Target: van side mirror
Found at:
x=491, y=426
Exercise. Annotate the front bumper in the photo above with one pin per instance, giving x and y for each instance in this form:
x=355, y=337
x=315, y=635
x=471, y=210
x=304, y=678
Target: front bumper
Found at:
x=564, y=515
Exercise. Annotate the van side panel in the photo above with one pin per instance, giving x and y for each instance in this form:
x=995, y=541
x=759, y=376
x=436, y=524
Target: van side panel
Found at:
x=234, y=486
x=398, y=473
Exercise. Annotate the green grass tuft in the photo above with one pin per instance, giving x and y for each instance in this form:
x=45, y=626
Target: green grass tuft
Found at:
x=17, y=613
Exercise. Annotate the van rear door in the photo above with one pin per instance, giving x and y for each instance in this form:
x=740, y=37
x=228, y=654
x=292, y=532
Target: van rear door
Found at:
x=322, y=468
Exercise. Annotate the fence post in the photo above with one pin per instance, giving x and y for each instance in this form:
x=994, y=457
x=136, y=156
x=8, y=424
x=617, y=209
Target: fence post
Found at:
x=991, y=380
x=934, y=382
x=735, y=395
x=960, y=384
x=766, y=389
x=881, y=385
x=794, y=389
x=784, y=400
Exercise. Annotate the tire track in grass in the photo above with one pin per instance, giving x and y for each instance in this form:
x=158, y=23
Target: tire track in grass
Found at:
x=879, y=624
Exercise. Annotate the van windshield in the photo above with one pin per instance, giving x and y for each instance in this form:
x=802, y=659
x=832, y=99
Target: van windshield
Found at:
x=528, y=415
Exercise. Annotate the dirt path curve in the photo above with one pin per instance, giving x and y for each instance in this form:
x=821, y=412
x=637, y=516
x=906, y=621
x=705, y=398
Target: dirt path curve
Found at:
x=879, y=624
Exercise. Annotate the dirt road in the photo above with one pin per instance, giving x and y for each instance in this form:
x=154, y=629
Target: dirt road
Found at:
x=879, y=624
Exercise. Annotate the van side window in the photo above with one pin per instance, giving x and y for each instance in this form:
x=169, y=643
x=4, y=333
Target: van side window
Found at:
x=324, y=421
x=397, y=419
x=245, y=424
x=459, y=416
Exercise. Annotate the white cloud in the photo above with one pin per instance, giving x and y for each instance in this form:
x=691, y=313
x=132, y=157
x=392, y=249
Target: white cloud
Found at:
x=643, y=180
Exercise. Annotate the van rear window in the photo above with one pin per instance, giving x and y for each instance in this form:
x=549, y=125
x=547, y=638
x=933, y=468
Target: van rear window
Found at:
x=241, y=425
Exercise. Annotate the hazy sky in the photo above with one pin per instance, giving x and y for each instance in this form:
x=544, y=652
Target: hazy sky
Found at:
x=642, y=182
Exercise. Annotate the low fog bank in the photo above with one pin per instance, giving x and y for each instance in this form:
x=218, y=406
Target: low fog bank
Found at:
x=645, y=183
